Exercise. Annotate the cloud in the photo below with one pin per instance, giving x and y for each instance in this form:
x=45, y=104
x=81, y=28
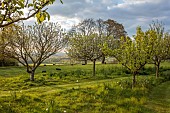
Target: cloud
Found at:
x=66, y=23
x=89, y=1
x=131, y=13
x=142, y=12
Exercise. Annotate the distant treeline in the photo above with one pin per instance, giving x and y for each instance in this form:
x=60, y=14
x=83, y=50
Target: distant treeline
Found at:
x=8, y=63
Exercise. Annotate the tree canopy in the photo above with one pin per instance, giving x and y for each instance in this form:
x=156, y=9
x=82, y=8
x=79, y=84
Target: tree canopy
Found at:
x=34, y=44
x=160, y=45
x=133, y=54
x=108, y=31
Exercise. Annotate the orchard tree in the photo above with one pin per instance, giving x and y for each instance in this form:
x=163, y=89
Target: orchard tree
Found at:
x=160, y=45
x=133, y=54
x=95, y=50
x=107, y=31
x=12, y=11
x=35, y=44
x=167, y=44
x=79, y=37
x=78, y=48
x=85, y=47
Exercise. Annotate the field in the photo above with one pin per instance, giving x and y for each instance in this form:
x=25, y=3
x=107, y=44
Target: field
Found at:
x=73, y=89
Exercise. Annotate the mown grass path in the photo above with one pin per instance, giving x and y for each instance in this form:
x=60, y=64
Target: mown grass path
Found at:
x=159, y=99
x=53, y=88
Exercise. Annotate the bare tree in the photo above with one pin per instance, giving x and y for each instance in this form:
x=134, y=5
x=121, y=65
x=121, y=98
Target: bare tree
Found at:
x=86, y=27
x=35, y=44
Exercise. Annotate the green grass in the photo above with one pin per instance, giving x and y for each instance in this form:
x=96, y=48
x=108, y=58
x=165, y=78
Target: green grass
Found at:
x=95, y=96
x=159, y=99
x=74, y=89
x=67, y=75
x=12, y=71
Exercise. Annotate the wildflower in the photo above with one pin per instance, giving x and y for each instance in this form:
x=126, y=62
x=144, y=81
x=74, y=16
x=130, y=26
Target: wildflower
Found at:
x=46, y=109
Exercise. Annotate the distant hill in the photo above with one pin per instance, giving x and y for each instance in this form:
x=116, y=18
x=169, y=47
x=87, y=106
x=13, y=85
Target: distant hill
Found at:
x=60, y=54
x=59, y=57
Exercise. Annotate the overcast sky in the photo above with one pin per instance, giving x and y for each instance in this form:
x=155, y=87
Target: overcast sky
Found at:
x=130, y=13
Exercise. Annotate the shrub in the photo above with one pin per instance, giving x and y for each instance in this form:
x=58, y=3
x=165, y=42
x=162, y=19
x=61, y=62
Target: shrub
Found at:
x=166, y=75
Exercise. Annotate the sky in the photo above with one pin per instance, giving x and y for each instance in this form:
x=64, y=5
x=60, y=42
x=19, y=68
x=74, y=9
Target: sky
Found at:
x=130, y=13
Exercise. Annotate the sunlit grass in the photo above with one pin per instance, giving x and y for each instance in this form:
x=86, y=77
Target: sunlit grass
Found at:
x=74, y=89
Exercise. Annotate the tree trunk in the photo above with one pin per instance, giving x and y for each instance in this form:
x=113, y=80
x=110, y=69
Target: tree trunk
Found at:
x=3, y=62
x=157, y=66
x=32, y=75
x=134, y=80
x=103, y=59
x=85, y=62
x=94, y=67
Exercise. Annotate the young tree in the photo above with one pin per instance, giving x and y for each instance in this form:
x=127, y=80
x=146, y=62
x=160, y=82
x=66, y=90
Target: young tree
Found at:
x=12, y=11
x=133, y=54
x=35, y=44
x=167, y=45
x=159, y=45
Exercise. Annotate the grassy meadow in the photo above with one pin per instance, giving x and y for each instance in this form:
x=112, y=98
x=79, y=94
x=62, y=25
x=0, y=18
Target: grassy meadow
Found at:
x=73, y=89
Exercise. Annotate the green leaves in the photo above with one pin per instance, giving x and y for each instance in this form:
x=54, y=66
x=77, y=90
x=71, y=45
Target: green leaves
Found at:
x=15, y=7
x=2, y=4
x=41, y=16
x=133, y=54
x=21, y=3
x=30, y=5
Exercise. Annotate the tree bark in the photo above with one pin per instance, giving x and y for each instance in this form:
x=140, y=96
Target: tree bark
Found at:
x=3, y=62
x=134, y=80
x=103, y=59
x=94, y=67
x=85, y=62
x=157, y=66
x=32, y=75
